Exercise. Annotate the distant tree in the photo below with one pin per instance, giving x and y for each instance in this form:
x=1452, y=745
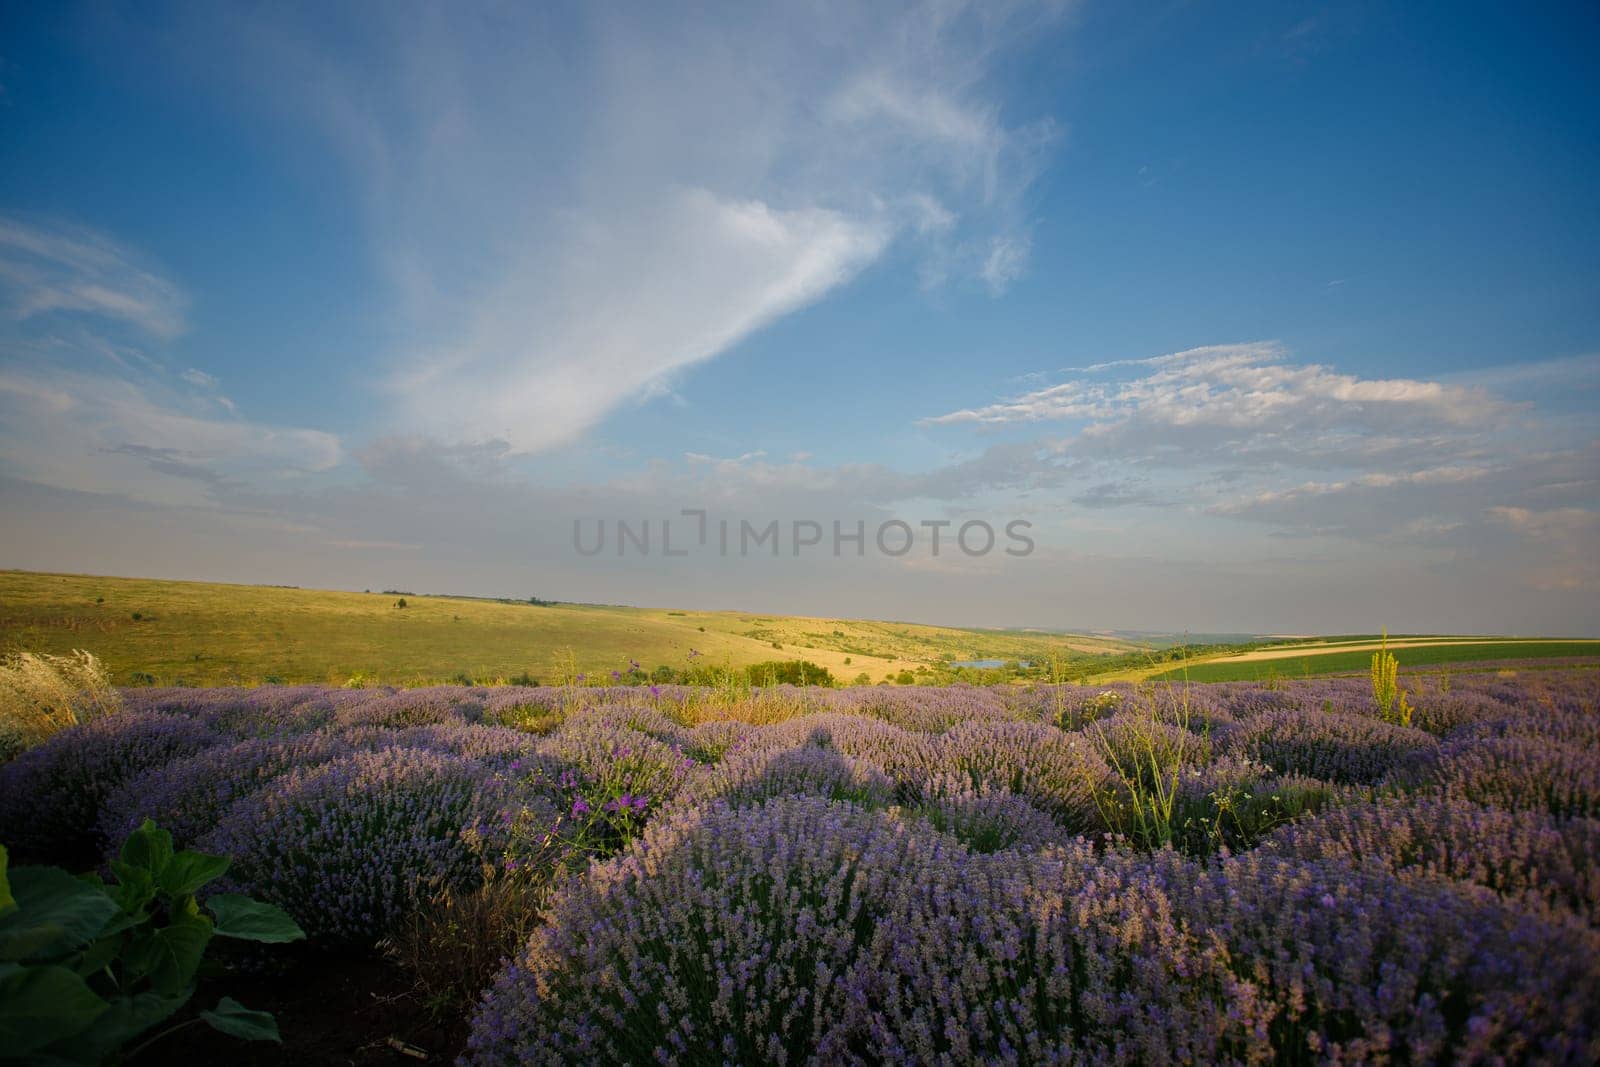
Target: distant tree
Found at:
x=788, y=672
x=906, y=678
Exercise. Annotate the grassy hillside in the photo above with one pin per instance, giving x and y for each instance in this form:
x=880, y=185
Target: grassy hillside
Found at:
x=210, y=634
x=1356, y=656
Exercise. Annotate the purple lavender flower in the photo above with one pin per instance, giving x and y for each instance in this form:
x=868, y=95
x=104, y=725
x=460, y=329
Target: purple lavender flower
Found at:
x=345, y=847
x=51, y=796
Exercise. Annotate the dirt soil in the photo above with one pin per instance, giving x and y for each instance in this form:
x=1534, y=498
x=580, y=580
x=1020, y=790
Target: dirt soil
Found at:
x=331, y=1010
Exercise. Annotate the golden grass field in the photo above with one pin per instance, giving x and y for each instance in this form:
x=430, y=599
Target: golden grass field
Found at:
x=203, y=633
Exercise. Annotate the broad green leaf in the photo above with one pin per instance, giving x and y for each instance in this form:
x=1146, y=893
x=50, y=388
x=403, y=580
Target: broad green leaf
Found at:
x=94, y=958
x=235, y=1019
x=252, y=920
x=42, y=1005
x=7, y=901
x=55, y=914
x=188, y=871
x=149, y=847
x=170, y=956
x=135, y=888
x=127, y=1018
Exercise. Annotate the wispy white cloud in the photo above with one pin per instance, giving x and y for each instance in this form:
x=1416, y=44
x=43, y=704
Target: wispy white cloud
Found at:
x=1247, y=387
x=84, y=408
x=565, y=229
x=53, y=268
x=539, y=366
x=1564, y=544
x=106, y=432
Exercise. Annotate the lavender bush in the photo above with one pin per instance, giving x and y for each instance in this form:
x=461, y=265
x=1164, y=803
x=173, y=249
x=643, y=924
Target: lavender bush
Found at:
x=345, y=847
x=809, y=932
x=1334, y=746
x=188, y=797
x=51, y=795
x=1528, y=858
x=909, y=875
x=1519, y=773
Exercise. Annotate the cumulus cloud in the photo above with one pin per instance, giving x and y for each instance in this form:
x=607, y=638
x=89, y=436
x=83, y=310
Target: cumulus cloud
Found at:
x=1249, y=434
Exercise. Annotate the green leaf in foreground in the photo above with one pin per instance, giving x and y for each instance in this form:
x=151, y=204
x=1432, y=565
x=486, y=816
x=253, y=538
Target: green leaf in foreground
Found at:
x=236, y=1020
x=40, y=1005
x=55, y=914
x=169, y=957
x=128, y=1018
x=188, y=871
x=252, y=920
x=149, y=847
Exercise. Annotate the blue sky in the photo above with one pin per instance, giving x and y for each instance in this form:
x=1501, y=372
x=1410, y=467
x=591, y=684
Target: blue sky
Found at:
x=1267, y=317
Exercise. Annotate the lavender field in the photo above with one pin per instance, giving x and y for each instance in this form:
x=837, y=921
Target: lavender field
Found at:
x=1156, y=874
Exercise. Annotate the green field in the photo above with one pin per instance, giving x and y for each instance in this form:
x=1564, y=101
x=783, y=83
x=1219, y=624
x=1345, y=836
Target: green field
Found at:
x=210, y=634
x=1316, y=662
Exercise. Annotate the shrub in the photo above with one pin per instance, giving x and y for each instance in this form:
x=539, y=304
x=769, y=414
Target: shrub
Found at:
x=931, y=711
x=906, y=756
x=412, y=707
x=345, y=847
x=611, y=759
x=1527, y=857
x=1514, y=773
x=1075, y=715
x=189, y=796
x=86, y=967
x=1230, y=805
x=268, y=712
x=1332, y=746
x=1058, y=772
x=749, y=778
x=788, y=672
x=709, y=742
x=718, y=937
x=808, y=932
x=1360, y=966
x=985, y=818
x=492, y=747
x=454, y=941
x=51, y=796
x=647, y=720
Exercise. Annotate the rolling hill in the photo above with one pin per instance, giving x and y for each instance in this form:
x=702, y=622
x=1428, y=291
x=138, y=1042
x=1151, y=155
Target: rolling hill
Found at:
x=204, y=633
